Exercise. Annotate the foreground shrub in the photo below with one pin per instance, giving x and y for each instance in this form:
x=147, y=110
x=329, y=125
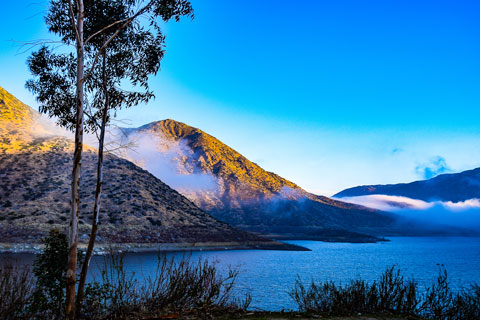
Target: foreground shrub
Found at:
x=467, y=303
x=442, y=303
x=49, y=269
x=40, y=295
x=187, y=285
x=115, y=294
x=391, y=294
x=16, y=290
x=439, y=299
x=178, y=286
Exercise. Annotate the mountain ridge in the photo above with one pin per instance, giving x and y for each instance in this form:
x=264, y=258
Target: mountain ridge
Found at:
x=35, y=166
x=248, y=196
x=200, y=140
x=455, y=187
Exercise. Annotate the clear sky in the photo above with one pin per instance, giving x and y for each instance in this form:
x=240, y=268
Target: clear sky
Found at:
x=328, y=94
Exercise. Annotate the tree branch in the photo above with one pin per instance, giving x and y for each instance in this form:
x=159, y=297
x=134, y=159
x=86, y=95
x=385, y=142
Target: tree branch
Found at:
x=103, y=29
x=91, y=117
x=25, y=46
x=72, y=17
x=105, y=45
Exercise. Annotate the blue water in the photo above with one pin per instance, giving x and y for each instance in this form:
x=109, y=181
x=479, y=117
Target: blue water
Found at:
x=269, y=275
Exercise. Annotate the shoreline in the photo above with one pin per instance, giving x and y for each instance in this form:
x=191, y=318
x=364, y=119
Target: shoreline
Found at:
x=332, y=239
x=105, y=248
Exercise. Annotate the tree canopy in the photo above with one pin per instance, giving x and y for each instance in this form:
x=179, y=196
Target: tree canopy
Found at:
x=133, y=53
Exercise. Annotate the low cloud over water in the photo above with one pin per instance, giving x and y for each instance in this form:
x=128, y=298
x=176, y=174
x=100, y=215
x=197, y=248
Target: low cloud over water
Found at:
x=465, y=214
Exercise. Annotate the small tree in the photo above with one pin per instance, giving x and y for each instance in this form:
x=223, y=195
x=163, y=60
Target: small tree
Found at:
x=50, y=268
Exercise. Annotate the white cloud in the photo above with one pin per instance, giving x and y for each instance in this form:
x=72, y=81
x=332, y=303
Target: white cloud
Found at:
x=460, y=214
x=388, y=203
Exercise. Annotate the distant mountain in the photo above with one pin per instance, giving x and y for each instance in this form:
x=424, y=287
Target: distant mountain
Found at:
x=35, y=168
x=453, y=187
x=239, y=192
x=448, y=204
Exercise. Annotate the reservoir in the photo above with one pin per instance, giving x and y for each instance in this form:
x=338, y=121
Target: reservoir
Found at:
x=269, y=275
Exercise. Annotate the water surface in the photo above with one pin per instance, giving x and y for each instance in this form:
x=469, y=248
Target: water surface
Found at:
x=269, y=275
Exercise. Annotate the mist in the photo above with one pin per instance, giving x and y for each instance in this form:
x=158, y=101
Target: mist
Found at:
x=465, y=214
x=44, y=127
x=166, y=160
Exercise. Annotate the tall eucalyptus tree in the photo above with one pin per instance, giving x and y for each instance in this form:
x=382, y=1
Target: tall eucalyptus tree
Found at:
x=115, y=40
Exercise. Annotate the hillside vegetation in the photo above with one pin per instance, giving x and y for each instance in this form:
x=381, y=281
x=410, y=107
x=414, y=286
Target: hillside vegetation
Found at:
x=35, y=169
x=252, y=198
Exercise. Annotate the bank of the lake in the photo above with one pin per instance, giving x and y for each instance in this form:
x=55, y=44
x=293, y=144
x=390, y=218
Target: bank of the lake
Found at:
x=105, y=248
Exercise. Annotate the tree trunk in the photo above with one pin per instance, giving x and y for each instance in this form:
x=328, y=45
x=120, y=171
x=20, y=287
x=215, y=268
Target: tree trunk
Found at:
x=98, y=190
x=77, y=162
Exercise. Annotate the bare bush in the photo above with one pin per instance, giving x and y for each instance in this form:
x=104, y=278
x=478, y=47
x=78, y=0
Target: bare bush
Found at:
x=16, y=289
x=391, y=294
x=178, y=286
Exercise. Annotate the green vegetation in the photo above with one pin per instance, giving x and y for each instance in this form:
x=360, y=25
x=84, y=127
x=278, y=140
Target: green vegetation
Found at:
x=392, y=294
x=49, y=268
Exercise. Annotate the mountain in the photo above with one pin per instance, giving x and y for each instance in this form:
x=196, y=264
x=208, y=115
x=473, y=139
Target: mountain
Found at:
x=238, y=191
x=137, y=208
x=23, y=130
x=448, y=204
x=453, y=187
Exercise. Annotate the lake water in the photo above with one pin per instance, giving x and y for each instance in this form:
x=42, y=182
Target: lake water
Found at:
x=269, y=275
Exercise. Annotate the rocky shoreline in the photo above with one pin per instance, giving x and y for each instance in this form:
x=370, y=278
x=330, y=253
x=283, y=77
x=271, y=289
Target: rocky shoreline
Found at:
x=104, y=248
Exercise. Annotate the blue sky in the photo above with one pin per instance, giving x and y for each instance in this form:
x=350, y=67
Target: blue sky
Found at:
x=328, y=94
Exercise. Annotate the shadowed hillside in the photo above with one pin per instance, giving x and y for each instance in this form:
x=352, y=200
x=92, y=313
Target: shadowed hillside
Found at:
x=35, y=169
x=246, y=195
x=136, y=206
